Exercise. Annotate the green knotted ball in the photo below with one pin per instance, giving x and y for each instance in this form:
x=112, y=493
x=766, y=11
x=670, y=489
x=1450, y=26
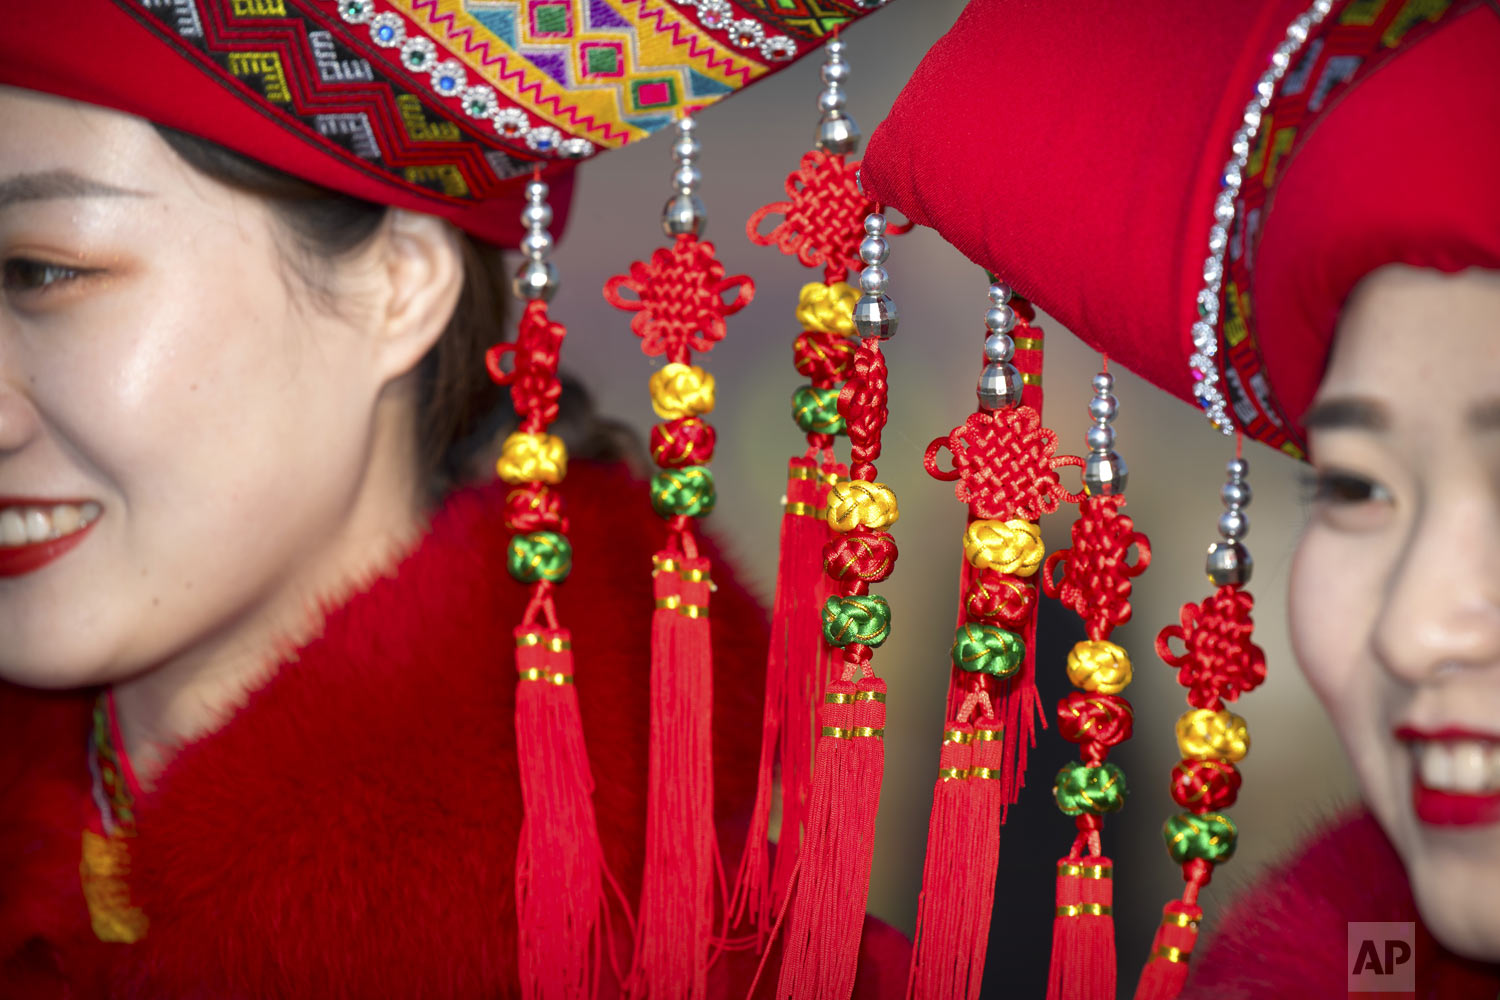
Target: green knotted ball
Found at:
x=987, y=649
x=539, y=555
x=1095, y=790
x=817, y=410
x=863, y=619
x=1210, y=837
x=688, y=491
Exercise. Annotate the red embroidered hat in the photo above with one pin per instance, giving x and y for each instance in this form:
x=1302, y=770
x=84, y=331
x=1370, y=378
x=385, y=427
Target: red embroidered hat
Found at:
x=1195, y=190
x=432, y=105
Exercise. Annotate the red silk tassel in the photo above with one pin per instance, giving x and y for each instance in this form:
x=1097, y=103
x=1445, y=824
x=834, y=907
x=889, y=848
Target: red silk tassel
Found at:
x=795, y=673
x=559, y=888
x=1167, y=968
x=1083, y=931
x=678, y=884
x=833, y=884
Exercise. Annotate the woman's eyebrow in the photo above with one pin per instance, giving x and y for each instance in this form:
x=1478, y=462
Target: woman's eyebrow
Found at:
x=49, y=184
x=1347, y=413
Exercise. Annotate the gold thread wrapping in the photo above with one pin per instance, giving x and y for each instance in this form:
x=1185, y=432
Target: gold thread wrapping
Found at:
x=1169, y=953
x=801, y=509
x=1085, y=910
x=1027, y=343
x=957, y=736
x=555, y=644
x=1179, y=920
x=1085, y=871
x=984, y=773
x=951, y=773
x=550, y=676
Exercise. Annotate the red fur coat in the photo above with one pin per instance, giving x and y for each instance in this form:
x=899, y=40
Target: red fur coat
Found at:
x=351, y=832
x=1287, y=937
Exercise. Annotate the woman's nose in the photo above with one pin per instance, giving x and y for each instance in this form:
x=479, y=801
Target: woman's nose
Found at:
x=18, y=416
x=1442, y=604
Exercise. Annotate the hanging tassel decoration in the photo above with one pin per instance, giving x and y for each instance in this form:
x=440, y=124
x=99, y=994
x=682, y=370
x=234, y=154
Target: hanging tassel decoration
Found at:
x=1219, y=662
x=679, y=304
x=560, y=870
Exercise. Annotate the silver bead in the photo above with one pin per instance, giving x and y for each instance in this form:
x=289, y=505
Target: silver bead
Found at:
x=684, y=215
x=537, y=279
x=835, y=72
x=1235, y=494
x=1104, y=474
x=1234, y=524
x=536, y=216
x=835, y=48
x=686, y=178
x=1000, y=386
x=686, y=124
x=1238, y=468
x=536, y=191
x=838, y=135
x=999, y=293
x=999, y=347
x=875, y=224
x=1103, y=382
x=875, y=316
x=1102, y=408
x=832, y=99
x=1099, y=437
x=1229, y=562
x=873, y=280
x=686, y=148
x=874, y=250
x=536, y=244
x=1000, y=319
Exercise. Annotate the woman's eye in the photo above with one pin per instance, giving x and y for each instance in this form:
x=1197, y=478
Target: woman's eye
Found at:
x=21, y=274
x=1343, y=489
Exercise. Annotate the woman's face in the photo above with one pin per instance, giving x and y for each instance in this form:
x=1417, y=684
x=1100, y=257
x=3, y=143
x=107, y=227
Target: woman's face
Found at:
x=185, y=438
x=1395, y=602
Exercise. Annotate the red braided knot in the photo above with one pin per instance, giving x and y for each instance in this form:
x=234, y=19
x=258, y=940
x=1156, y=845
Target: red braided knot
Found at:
x=1219, y=660
x=824, y=357
x=534, y=507
x=1096, y=571
x=1005, y=465
x=684, y=441
x=533, y=382
x=1000, y=597
x=1105, y=719
x=862, y=404
x=822, y=223
x=680, y=306
x=1203, y=786
x=864, y=555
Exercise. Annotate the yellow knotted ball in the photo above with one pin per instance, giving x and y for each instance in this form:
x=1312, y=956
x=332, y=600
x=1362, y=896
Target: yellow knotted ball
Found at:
x=679, y=390
x=1203, y=734
x=829, y=308
x=532, y=458
x=1013, y=547
x=1100, y=666
x=854, y=502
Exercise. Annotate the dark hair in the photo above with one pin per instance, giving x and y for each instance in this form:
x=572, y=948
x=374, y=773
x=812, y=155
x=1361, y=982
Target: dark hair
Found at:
x=461, y=412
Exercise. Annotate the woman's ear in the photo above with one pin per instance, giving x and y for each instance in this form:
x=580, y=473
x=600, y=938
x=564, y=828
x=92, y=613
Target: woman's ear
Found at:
x=423, y=263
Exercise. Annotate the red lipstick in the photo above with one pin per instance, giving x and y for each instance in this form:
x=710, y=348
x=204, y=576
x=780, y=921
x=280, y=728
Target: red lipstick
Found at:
x=1444, y=807
x=18, y=560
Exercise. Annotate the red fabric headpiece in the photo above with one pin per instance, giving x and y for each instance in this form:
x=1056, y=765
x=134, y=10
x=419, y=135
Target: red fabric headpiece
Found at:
x=420, y=104
x=1078, y=150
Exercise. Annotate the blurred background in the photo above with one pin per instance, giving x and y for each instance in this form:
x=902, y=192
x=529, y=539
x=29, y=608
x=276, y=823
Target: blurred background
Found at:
x=1295, y=772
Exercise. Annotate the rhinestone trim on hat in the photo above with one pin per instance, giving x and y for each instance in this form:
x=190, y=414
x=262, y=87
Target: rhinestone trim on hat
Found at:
x=1205, y=332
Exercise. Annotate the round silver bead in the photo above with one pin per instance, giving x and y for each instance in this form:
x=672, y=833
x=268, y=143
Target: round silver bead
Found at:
x=875, y=224
x=838, y=135
x=1229, y=562
x=1099, y=437
x=873, y=280
x=536, y=191
x=1234, y=525
x=1103, y=408
x=874, y=250
x=686, y=178
x=1235, y=494
x=1000, y=319
x=536, y=216
x=536, y=279
x=875, y=316
x=832, y=99
x=999, y=347
x=999, y=293
x=835, y=48
x=1000, y=386
x=536, y=244
x=835, y=71
x=1104, y=474
x=684, y=215
x=1103, y=382
x=1238, y=468
x=686, y=124
x=686, y=148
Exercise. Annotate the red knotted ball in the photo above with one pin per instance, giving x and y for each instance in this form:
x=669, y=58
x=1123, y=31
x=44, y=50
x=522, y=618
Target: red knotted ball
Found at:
x=823, y=357
x=534, y=507
x=682, y=442
x=999, y=597
x=1205, y=785
x=1106, y=719
x=861, y=555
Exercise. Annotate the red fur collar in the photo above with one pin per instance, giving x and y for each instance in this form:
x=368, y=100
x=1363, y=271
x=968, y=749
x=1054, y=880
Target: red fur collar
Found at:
x=1287, y=936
